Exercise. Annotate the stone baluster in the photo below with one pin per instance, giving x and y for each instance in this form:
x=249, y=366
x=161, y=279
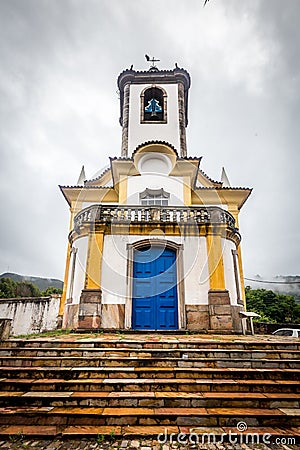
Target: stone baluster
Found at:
x=154, y=214
x=168, y=218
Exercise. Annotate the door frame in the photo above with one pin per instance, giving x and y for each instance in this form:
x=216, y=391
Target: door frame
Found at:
x=178, y=248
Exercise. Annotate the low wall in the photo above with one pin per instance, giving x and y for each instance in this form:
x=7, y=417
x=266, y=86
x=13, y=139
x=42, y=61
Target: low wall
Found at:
x=30, y=314
x=269, y=328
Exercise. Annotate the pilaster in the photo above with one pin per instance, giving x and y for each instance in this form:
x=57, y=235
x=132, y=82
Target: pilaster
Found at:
x=182, y=120
x=94, y=260
x=125, y=123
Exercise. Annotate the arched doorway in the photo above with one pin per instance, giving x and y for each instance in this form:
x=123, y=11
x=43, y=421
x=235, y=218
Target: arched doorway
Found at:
x=154, y=291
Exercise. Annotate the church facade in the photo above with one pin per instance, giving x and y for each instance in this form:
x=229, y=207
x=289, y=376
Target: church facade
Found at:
x=154, y=242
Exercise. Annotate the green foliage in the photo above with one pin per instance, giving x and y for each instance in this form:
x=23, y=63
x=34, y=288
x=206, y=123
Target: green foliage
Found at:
x=51, y=290
x=273, y=307
x=7, y=288
x=12, y=289
x=53, y=333
x=100, y=438
x=112, y=436
x=18, y=437
x=41, y=283
x=27, y=289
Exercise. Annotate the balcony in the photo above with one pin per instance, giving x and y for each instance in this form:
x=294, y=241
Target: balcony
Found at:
x=181, y=215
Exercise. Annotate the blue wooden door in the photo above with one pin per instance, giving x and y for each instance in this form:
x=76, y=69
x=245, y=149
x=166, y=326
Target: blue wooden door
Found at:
x=154, y=303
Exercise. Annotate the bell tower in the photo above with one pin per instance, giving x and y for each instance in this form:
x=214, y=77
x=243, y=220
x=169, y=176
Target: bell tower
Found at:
x=154, y=107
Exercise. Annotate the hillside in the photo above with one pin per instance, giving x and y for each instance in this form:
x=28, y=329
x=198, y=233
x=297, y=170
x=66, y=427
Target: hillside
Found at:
x=281, y=284
x=41, y=283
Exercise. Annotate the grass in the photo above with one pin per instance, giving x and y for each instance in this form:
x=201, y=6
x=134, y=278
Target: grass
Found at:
x=43, y=334
x=101, y=438
x=18, y=437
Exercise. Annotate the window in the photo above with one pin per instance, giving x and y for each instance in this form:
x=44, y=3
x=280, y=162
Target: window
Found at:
x=154, y=105
x=286, y=332
x=154, y=197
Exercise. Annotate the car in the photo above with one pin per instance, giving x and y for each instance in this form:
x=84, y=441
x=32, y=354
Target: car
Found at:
x=291, y=332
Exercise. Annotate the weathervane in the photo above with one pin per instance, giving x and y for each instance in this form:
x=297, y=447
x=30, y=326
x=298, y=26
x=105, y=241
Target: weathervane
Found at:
x=152, y=60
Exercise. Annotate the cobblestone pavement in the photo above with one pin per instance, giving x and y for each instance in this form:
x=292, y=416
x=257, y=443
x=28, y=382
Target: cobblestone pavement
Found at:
x=18, y=443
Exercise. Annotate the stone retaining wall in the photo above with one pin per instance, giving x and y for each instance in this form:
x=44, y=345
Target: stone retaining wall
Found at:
x=30, y=314
x=269, y=328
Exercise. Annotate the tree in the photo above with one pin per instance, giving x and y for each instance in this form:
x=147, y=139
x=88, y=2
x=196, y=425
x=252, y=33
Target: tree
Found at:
x=51, y=290
x=12, y=289
x=7, y=288
x=273, y=307
x=27, y=289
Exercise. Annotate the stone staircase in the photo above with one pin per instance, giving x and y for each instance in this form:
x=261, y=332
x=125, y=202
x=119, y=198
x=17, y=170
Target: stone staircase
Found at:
x=138, y=385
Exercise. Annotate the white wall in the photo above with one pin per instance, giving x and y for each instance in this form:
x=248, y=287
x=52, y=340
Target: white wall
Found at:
x=30, y=315
x=196, y=270
x=86, y=204
x=80, y=267
x=173, y=185
x=230, y=285
x=114, y=267
x=139, y=133
x=70, y=275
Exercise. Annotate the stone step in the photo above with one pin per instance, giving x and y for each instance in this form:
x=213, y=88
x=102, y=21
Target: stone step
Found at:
x=151, y=399
x=145, y=362
x=233, y=384
x=74, y=385
x=95, y=416
x=149, y=342
x=141, y=373
x=163, y=433
x=158, y=353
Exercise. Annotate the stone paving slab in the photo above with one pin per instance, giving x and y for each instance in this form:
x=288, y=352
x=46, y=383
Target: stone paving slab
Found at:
x=84, y=338
x=46, y=394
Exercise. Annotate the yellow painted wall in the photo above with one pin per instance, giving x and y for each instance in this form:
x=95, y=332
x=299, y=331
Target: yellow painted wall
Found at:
x=215, y=261
x=187, y=194
x=94, y=260
x=123, y=190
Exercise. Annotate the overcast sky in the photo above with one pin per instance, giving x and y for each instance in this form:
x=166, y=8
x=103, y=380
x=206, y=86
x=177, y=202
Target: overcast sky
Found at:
x=59, y=109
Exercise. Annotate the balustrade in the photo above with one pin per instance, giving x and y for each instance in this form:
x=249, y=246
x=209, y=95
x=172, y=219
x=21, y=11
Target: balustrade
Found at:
x=153, y=214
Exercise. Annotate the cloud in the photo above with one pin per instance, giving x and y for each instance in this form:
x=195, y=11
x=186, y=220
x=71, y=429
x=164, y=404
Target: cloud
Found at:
x=59, y=109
